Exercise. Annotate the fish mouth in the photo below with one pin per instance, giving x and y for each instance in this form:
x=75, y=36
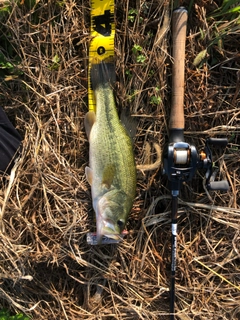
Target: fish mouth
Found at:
x=107, y=228
x=109, y=222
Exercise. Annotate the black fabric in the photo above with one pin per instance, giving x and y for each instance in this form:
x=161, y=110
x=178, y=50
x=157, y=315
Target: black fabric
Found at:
x=10, y=141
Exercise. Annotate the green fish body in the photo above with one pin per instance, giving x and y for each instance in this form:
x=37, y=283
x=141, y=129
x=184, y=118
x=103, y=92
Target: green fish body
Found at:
x=111, y=172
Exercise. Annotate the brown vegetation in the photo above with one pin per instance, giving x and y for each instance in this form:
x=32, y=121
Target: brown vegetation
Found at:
x=47, y=270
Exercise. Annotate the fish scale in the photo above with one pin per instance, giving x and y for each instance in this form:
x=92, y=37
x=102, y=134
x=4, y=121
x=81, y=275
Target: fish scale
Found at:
x=108, y=149
x=112, y=172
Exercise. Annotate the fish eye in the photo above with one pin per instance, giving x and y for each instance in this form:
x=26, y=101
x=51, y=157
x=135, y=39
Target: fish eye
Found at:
x=120, y=223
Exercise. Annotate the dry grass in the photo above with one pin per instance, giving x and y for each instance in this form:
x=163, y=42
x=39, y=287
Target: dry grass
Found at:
x=47, y=270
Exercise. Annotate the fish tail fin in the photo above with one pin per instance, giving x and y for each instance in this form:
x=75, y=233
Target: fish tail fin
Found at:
x=102, y=73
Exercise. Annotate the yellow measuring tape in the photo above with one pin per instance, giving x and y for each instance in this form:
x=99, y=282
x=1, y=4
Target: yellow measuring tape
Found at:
x=103, y=33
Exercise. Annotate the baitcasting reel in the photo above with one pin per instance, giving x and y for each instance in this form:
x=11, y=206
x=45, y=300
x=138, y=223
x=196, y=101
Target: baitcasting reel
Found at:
x=181, y=160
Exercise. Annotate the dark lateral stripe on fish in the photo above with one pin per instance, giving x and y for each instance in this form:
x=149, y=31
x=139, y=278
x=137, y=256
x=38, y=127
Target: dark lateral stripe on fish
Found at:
x=102, y=73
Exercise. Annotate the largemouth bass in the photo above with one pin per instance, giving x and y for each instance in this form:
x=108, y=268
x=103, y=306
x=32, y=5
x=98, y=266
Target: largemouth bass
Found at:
x=111, y=172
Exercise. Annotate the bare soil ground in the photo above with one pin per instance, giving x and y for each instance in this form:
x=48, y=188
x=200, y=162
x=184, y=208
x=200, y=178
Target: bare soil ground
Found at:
x=47, y=270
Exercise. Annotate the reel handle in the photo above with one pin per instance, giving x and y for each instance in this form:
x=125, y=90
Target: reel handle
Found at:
x=217, y=142
x=221, y=185
x=179, y=27
x=218, y=185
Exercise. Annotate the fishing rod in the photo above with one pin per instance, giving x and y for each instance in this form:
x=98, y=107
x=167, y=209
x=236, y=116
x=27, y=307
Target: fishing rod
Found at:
x=180, y=159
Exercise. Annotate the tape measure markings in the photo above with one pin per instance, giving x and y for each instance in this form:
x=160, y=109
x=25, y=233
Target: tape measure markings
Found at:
x=103, y=33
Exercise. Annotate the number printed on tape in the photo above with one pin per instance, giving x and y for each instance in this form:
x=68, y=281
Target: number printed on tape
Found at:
x=103, y=33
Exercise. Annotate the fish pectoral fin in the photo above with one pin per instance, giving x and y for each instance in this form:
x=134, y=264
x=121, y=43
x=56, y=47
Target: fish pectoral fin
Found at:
x=89, y=175
x=89, y=121
x=108, y=175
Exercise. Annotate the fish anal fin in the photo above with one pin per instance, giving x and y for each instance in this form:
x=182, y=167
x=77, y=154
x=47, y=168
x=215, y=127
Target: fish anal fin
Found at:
x=89, y=175
x=89, y=120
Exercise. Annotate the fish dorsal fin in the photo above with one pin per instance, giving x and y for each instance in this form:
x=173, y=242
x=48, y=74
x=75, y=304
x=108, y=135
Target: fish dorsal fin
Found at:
x=89, y=120
x=108, y=175
x=129, y=122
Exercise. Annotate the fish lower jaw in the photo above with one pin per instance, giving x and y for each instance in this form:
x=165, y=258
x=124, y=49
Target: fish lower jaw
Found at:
x=109, y=234
x=113, y=236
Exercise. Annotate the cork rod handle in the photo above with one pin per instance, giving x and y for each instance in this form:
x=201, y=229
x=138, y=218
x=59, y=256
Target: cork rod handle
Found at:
x=179, y=27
